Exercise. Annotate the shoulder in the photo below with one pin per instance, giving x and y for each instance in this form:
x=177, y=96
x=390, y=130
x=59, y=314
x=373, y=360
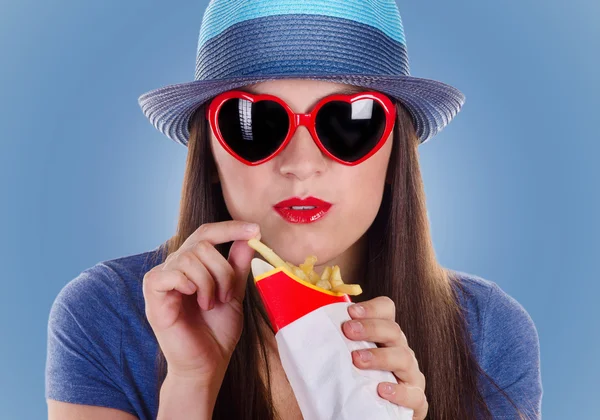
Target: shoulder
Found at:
x=505, y=340
x=473, y=293
x=89, y=334
x=134, y=266
x=96, y=295
x=493, y=316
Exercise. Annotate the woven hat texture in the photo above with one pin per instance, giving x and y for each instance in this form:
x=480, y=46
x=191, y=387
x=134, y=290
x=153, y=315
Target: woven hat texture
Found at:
x=358, y=42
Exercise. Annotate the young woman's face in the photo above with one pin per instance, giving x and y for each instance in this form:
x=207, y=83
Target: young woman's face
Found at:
x=302, y=170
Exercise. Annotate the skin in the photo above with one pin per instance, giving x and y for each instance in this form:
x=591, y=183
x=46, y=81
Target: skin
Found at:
x=374, y=320
x=301, y=169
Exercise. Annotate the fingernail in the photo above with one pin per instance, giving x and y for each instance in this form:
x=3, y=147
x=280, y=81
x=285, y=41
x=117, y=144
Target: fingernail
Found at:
x=250, y=227
x=211, y=303
x=356, y=327
x=387, y=389
x=365, y=355
x=228, y=296
x=358, y=310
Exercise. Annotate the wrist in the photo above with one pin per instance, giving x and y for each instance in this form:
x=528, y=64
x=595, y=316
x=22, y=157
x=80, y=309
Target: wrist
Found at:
x=186, y=396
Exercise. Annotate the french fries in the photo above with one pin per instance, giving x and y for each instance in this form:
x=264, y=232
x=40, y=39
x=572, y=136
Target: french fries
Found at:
x=330, y=279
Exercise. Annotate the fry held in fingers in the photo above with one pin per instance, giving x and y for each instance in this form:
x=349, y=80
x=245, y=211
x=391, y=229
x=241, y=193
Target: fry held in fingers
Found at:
x=330, y=279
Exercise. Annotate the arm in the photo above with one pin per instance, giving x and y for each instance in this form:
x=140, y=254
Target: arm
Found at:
x=185, y=398
x=180, y=398
x=84, y=342
x=58, y=410
x=510, y=354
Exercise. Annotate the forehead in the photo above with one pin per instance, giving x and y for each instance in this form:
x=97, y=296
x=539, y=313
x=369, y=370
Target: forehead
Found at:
x=319, y=87
x=301, y=94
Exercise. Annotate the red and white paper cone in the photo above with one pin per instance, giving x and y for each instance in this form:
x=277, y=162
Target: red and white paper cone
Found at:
x=315, y=353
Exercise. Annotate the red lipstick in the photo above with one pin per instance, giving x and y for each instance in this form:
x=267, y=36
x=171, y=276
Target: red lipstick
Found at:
x=296, y=210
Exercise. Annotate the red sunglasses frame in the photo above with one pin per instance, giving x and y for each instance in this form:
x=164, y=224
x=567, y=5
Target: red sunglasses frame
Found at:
x=307, y=120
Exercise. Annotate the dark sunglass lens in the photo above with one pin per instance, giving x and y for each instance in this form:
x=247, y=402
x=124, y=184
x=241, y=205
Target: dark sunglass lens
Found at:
x=253, y=130
x=350, y=130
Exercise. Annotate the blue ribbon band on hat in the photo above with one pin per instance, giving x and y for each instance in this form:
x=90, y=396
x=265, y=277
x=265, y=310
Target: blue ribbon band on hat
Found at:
x=383, y=15
x=296, y=44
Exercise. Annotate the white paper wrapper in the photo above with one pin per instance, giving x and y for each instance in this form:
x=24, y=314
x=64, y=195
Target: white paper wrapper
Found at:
x=316, y=355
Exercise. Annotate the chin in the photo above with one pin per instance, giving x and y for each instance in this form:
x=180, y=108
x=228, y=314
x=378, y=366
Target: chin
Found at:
x=298, y=255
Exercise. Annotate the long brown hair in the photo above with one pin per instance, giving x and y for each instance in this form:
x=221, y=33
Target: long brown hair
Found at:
x=401, y=264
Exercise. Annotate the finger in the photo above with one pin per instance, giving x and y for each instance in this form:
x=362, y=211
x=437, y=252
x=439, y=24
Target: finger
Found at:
x=155, y=281
x=240, y=257
x=381, y=331
x=218, y=267
x=398, y=360
x=188, y=263
x=163, y=293
x=221, y=232
x=406, y=396
x=379, y=307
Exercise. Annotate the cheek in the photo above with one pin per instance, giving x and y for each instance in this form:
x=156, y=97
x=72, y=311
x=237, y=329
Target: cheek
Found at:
x=245, y=192
x=238, y=188
x=363, y=189
x=365, y=183
x=364, y=194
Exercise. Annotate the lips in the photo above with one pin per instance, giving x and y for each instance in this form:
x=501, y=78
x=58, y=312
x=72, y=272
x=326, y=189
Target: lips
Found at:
x=285, y=210
x=308, y=201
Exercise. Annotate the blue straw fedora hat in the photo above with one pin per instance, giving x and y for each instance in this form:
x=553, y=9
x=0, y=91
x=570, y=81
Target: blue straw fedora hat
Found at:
x=357, y=42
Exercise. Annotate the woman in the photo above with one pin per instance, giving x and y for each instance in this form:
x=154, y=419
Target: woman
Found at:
x=459, y=347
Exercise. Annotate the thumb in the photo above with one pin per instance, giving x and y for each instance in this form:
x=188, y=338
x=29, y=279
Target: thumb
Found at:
x=240, y=257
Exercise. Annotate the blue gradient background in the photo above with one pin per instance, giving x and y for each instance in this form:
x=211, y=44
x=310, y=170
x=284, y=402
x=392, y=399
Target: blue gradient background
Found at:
x=511, y=183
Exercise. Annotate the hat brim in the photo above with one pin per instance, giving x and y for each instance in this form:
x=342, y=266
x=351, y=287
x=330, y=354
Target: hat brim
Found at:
x=431, y=103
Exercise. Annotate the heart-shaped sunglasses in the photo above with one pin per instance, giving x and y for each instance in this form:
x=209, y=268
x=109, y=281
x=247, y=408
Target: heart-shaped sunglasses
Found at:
x=254, y=128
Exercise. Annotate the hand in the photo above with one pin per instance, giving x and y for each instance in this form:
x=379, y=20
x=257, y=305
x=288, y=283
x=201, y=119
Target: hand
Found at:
x=198, y=334
x=392, y=354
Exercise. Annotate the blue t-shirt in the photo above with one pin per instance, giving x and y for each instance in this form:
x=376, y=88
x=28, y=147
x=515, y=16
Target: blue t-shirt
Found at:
x=102, y=350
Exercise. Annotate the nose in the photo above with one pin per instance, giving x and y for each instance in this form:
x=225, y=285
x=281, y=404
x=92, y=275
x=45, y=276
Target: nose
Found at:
x=301, y=157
